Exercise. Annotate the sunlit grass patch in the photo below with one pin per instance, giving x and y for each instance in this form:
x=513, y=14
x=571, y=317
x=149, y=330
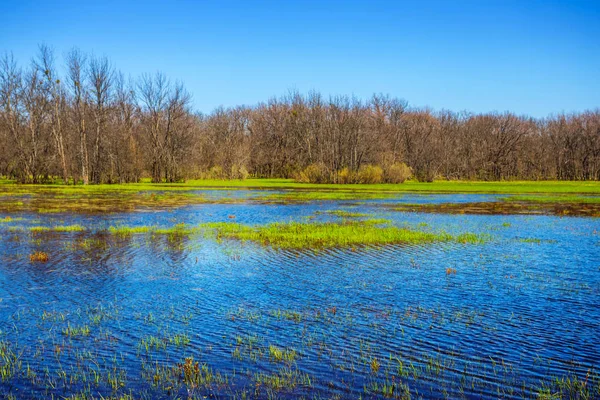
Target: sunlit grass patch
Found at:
x=73, y=331
x=9, y=219
x=301, y=235
x=59, y=228
x=10, y=363
x=278, y=354
x=287, y=314
x=180, y=339
x=68, y=228
x=296, y=235
x=570, y=387
x=172, y=233
x=153, y=343
x=284, y=379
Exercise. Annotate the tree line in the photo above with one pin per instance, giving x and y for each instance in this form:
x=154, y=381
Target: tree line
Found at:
x=91, y=124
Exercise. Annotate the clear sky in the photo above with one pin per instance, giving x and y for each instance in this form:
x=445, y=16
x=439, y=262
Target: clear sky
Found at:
x=530, y=57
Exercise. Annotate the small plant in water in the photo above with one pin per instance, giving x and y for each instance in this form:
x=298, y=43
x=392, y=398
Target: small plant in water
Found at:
x=375, y=365
x=278, y=354
x=72, y=331
x=39, y=256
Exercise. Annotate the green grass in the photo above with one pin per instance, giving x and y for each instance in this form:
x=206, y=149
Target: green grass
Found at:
x=412, y=186
x=295, y=235
x=68, y=228
x=284, y=379
x=149, y=343
x=409, y=186
x=59, y=228
x=177, y=230
x=73, y=331
x=180, y=340
x=278, y=354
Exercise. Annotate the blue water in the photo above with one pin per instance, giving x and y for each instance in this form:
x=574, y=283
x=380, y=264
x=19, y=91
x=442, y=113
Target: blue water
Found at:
x=519, y=311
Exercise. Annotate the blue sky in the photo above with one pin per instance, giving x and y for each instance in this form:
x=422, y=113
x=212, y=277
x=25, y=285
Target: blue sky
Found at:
x=530, y=57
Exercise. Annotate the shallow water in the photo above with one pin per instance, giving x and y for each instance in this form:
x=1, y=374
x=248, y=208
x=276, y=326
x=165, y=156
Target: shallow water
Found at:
x=518, y=311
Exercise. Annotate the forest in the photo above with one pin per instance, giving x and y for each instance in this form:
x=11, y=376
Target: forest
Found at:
x=78, y=120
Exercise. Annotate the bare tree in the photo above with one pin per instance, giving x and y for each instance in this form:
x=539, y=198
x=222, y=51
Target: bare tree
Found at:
x=147, y=127
x=166, y=118
x=56, y=99
x=100, y=77
x=76, y=62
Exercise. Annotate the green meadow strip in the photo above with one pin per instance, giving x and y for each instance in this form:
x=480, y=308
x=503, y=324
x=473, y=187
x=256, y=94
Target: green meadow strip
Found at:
x=509, y=187
x=59, y=228
x=295, y=235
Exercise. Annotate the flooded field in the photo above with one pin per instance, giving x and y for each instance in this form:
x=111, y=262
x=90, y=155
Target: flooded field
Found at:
x=288, y=294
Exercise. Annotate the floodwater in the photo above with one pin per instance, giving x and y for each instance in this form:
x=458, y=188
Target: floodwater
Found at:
x=516, y=317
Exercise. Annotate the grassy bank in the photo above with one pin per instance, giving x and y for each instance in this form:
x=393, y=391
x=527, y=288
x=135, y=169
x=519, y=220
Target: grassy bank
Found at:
x=512, y=187
x=438, y=186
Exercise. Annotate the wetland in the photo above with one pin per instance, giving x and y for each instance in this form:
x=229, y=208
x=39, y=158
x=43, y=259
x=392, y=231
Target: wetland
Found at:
x=268, y=289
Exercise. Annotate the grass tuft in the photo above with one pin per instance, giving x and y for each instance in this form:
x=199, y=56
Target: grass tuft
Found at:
x=39, y=256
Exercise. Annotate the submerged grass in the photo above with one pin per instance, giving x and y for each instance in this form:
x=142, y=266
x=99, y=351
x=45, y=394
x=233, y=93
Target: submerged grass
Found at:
x=554, y=199
x=510, y=207
x=278, y=354
x=124, y=231
x=74, y=331
x=301, y=196
x=344, y=214
x=179, y=230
